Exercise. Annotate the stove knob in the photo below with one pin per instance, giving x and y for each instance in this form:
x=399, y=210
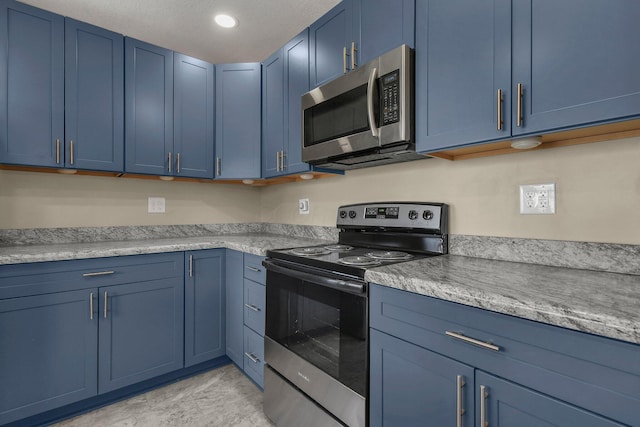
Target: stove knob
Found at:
x=352, y=214
x=413, y=214
x=343, y=214
x=427, y=215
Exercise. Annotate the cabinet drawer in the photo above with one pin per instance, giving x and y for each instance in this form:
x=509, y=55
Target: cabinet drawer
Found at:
x=254, y=356
x=253, y=268
x=254, y=307
x=596, y=373
x=47, y=277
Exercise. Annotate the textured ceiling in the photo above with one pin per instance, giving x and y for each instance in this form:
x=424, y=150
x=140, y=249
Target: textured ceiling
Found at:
x=187, y=26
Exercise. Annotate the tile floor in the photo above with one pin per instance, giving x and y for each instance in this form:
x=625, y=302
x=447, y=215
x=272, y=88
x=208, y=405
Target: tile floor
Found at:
x=222, y=397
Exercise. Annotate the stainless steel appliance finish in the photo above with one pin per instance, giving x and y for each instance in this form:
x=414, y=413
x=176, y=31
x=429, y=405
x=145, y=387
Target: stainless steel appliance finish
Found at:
x=316, y=331
x=363, y=118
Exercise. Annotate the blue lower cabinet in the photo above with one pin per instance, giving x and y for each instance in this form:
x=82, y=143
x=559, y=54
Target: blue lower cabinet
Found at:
x=141, y=331
x=501, y=403
x=234, y=306
x=412, y=386
x=254, y=356
x=48, y=352
x=204, y=306
x=254, y=305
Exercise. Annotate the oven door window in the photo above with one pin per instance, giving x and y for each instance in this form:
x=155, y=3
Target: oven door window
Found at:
x=324, y=326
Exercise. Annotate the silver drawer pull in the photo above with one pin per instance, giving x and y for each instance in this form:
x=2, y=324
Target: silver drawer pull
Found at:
x=99, y=273
x=257, y=270
x=252, y=357
x=252, y=307
x=474, y=341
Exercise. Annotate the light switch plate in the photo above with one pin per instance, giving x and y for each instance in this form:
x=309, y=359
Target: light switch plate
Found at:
x=303, y=206
x=156, y=205
x=538, y=199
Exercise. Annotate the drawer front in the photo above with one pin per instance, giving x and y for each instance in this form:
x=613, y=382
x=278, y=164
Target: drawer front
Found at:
x=254, y=306
x=47, y=277
x=254, y=356
x=253, y=269
x=596, y=373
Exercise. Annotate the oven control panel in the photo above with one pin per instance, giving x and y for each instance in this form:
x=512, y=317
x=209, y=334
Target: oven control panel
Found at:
x=430, y=217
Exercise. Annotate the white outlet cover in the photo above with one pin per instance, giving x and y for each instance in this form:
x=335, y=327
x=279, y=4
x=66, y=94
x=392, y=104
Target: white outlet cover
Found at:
x=156, y=205
x=303, y=206
x=538, y=199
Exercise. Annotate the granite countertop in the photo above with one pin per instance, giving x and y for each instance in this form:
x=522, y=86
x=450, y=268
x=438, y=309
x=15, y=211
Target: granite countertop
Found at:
x=254, y=243
x=596, y=302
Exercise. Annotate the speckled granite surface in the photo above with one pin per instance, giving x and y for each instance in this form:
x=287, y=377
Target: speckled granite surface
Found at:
x=601, y=303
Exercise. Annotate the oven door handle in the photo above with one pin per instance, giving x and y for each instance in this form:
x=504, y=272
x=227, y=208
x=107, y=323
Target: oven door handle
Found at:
x=329, y=282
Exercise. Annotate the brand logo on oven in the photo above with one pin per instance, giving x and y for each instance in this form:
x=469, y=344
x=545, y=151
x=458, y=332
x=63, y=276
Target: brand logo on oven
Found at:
x=303, y=376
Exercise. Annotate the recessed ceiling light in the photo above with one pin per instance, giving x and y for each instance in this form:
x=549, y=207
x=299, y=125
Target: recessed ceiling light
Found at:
x=226, y=21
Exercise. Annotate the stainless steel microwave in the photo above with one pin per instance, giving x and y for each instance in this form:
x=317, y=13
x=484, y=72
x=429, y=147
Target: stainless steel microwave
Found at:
x=363, y=118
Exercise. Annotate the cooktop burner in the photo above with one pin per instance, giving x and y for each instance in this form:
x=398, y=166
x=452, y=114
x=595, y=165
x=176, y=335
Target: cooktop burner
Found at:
x=390, y=255
x=313, y=251
x=360, y=261
x=339, y=248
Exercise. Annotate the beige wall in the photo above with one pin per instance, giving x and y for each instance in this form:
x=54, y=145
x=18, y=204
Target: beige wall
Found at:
x=34, y=200
x=597, y=186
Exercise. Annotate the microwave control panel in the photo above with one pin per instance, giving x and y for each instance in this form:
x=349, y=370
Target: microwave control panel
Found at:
x=390, y=97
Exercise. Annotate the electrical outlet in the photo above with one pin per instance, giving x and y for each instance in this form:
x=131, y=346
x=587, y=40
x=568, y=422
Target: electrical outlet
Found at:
x=303, y=206
x=538, y=199
x=156, y=205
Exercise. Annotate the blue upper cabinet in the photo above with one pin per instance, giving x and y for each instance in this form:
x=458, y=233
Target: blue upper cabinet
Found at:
x=463, y=60
x=193, y=117
x=148, y=108
x=331, y=40
x=94, y=98
x=573, y=59
x=384, y=25
x=31, y=86
x=285, y=78
x=238, y=124
x=273, y=94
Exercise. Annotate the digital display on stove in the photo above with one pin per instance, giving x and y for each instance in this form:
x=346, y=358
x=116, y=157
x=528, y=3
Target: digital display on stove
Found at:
x=382, y=212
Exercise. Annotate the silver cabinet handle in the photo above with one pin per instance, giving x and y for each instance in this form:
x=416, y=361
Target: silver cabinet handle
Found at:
x=474, y=341
x=257, y=270
x=169, y=162
x=459, y=406
x=344, y=60
x=252, y=307
x=353, y=55
x=277, y=161
x=483, y=406
x=98, y=273
x=519, y=117
x=500, y=120
x=71, y=151
x=218, y=166
x=190, y=265
x=370, y=112
x=283, y=165
x=57, y=151
x=178, y=163
x=105, y=304
x=252, y=357
x=91, y=306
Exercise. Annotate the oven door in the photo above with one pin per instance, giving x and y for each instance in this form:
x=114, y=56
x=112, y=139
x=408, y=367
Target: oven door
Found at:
x=317, y=336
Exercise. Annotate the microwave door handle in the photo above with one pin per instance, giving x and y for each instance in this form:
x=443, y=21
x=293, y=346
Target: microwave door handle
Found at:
x=372, y=119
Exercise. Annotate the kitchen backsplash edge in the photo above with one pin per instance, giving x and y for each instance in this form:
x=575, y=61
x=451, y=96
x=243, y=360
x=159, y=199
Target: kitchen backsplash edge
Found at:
x=609, y=257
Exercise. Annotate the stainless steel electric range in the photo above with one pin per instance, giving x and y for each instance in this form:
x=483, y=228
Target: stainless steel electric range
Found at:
x=317, y=319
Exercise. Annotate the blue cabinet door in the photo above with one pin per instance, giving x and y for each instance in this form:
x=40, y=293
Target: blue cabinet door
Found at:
x=273, y=134
x=254, y=306
x=141, y=331
x=193, y=117
x=31, y=85
x=463, y=58
x=412, y=386
x=384, y=25
x=296, y=59
x=573, y=59
x=238, y=124
x=329, y=36
x=254, y=356
x=48, y=355
x=507, y=404
x=234, y=306
x=94, y=98
x=204, y=306
x=148, y=109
